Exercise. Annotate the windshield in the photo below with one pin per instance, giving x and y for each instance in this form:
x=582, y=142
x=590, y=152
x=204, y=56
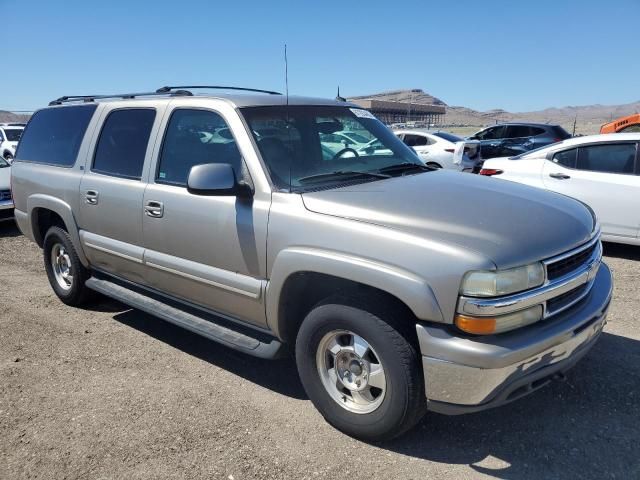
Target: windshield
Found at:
x=448, y=136
x=13, y=134
x=305, y=146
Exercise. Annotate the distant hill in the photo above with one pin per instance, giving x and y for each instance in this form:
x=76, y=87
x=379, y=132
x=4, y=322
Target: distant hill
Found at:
x=588, y=118
x=8, y=117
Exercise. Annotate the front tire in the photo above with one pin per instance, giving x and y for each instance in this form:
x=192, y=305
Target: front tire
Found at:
x=66, y=273
x=360, y=367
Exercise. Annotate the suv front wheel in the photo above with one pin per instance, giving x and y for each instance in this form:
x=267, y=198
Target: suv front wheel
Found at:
x=360, y=368
x=66, y=273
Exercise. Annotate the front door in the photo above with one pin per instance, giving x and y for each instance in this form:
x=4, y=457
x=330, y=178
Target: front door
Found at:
x=111, y=192
x=603, y=176
x=207, y=250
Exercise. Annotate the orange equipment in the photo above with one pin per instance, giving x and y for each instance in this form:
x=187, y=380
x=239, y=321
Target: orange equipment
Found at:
x=627, y=124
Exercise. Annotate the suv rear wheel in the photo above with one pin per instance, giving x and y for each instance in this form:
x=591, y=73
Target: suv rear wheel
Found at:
x=66, y=273
x=360, y=369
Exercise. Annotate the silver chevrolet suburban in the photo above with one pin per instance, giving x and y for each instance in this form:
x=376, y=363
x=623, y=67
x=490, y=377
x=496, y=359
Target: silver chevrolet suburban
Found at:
x=399, y=288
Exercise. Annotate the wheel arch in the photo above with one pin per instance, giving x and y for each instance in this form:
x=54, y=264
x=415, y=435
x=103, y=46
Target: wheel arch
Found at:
x=292, y=291
x=45, y=211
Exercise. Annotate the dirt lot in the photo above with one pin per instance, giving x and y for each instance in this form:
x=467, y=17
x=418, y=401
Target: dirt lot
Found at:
x=114, y=393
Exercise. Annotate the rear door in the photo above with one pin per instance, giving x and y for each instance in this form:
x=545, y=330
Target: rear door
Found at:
x=603, y=176
x=112, y=189
x=517, y=140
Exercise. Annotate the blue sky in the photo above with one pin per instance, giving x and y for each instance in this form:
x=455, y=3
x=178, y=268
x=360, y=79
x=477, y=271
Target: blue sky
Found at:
x=516, y=55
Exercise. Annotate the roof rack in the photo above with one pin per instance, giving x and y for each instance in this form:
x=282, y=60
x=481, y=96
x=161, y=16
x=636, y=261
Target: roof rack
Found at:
x=91, y=98
x=216, y=87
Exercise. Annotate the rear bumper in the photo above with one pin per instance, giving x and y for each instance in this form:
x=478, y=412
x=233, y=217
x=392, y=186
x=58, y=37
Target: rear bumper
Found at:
x=467, y=374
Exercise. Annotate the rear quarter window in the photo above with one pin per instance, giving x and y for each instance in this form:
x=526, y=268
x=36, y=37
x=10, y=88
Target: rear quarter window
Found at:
x=53, y=135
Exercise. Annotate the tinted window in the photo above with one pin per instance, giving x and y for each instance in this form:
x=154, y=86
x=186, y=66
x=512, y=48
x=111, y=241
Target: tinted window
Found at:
x=616, y=158
x=491, y=133
x=415, y=140
x=517, y=131
x=560, y=132
x=194, y=137
x=54, y=135
x=13, y=134
x=123, y=142
x=448, y=136
x=631, y=128
x=566, y=158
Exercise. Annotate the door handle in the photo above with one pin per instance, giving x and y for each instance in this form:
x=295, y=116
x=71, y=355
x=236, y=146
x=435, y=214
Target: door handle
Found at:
x=91, y=197
x=154, y=209
x=559, y=176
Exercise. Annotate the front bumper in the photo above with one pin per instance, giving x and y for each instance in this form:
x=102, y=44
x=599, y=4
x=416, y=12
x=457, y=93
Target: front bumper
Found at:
x=465, y=374
x=6, y=209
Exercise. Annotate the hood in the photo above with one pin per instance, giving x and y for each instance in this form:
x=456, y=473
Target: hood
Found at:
x=510, y=223
x=5, y=178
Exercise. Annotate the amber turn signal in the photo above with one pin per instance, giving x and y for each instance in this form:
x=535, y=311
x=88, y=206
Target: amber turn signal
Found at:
x=477, y=325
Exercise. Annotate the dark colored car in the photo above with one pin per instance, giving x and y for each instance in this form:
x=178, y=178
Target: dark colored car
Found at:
x=510, y=139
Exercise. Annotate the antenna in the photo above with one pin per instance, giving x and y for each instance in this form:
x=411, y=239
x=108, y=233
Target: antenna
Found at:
x=338, y=97
x=575, y=119
x=286, y=73
x=286, y=85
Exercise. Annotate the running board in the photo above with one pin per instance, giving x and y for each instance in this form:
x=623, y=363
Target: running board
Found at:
x=255, y=343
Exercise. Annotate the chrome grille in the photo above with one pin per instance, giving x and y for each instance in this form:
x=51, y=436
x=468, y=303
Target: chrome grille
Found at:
x=566, y=265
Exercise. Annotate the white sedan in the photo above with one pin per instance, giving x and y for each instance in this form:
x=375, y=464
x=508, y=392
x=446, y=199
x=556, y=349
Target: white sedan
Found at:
x=6, y=202
x=602, y=171
x=442, y=149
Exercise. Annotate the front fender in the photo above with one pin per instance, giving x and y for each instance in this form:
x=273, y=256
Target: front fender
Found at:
x=412, y=290
x=61, y=208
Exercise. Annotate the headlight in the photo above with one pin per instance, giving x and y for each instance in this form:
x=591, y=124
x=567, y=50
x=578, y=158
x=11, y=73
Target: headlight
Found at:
x=502, y=282
x=498, y=324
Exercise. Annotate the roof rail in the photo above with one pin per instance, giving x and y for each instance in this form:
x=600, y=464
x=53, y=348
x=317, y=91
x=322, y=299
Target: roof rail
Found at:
x=216, y=87
x=91, y=98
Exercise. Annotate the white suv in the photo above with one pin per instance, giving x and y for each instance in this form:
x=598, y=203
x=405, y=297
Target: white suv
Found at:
x=10, y=134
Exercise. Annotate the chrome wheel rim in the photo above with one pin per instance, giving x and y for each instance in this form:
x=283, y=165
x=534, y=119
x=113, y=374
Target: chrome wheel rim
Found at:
x=351, y=371
x=61, y=265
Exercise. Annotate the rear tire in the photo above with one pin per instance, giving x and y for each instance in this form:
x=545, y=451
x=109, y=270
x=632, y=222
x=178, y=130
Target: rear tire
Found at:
x=66, y=273
x=360, y=368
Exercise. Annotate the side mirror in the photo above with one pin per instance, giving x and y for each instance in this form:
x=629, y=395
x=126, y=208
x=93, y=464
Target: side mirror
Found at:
x=216, y=179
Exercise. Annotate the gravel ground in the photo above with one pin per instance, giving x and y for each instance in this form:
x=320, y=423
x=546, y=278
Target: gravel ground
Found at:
x=113, y=393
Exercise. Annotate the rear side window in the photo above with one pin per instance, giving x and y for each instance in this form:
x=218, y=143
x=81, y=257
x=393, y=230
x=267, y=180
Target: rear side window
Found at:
x=53, y=135
x=194, y=137
x=123, y=143
x=415, y=140
x=566, y=158
x=518, y=131
x=611, y=158
x=533, y=131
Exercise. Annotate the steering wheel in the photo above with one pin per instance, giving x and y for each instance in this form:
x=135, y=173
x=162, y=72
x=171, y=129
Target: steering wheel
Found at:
x=345, y=150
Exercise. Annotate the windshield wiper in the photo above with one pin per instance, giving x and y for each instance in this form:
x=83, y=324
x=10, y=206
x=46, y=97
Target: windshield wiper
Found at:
x=340, y=174
x=406, y=166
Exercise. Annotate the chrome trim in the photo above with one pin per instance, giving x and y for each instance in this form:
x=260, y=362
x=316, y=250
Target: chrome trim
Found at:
x=206, y=281
x=549, y=290
x=112, y=252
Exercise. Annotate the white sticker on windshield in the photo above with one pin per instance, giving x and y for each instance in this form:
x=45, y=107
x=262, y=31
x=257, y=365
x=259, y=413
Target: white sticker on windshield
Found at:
x=359, y=112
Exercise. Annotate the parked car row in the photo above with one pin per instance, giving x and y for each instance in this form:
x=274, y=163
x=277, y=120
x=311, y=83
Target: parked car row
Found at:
x=9, y=137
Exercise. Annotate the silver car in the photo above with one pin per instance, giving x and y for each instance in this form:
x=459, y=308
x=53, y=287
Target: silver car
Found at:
x=399, y=288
